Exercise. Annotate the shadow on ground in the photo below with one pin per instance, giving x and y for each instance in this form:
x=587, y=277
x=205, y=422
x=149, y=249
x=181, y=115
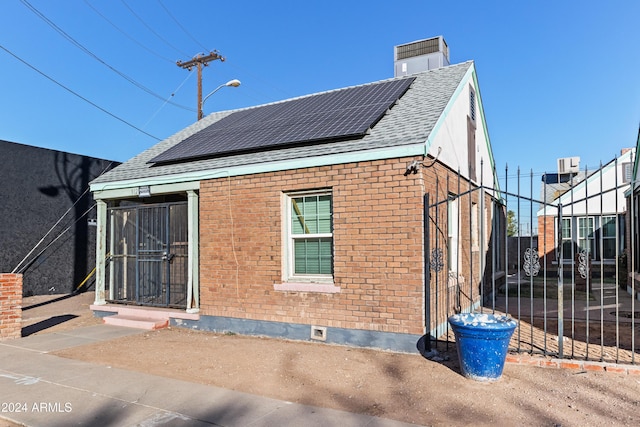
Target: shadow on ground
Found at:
x=46, y=324
x=62, y=298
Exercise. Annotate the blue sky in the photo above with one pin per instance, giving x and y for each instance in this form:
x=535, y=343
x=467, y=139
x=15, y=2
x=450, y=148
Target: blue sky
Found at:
x=557, y=78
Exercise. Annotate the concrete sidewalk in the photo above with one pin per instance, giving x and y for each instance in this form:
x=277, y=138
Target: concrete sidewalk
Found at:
x=40, y=389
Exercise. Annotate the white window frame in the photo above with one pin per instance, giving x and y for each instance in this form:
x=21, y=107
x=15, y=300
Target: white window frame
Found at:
x=303, y=282
x=603, y=238
x=453, y=233
x=475, y=231
x=567, y=254
x=580, y=237
x=596, y=247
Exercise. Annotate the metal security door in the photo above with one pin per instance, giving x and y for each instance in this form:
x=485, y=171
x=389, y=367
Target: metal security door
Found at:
x=149, y=254
x=153, y=260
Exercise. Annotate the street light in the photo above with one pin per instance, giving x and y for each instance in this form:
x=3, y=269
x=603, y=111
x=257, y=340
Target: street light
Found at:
x=231, y=83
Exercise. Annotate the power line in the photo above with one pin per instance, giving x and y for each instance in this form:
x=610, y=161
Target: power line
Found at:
x=205, y=48
x=165, y=103
x=56, y=224
x=124, y=33
x=77, y=94
x=263, y=96
x=181, y=27
x=62, y=233
x=94, y=56
x=152, y=30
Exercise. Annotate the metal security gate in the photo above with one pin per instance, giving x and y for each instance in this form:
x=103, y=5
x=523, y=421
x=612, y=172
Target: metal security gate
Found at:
x=148, y=245
x=557, y=265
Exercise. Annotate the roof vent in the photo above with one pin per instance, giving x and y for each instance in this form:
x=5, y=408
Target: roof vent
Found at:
x=569, y=165
x=421, y=55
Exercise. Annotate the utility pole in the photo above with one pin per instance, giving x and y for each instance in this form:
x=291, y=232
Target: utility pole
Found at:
x=199, y=61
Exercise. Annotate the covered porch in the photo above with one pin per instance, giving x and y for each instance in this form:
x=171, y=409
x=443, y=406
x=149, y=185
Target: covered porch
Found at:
x=147, y=248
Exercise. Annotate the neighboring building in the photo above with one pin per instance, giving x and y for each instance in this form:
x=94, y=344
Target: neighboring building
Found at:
x=632, y=254
x=593, y=213
x=304, y=218
x=42, y=193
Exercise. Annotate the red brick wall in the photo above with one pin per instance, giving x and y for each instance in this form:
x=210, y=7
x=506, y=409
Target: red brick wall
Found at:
x=378, y=262
x=448, y=292
x=547, y=240
x=378, y=252
x=10, y=306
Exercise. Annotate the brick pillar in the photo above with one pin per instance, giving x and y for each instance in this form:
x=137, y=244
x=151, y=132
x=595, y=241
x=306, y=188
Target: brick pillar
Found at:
x=10, y=306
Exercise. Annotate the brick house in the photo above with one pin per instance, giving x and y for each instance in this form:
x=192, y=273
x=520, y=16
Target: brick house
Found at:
x=303, y=218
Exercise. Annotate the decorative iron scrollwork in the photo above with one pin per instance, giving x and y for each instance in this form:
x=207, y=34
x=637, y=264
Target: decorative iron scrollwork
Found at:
x=583, y=263
x=437, y=264
x=531, y=264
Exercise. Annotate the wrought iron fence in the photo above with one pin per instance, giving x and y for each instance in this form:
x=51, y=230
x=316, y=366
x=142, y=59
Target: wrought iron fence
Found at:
x=567, y=287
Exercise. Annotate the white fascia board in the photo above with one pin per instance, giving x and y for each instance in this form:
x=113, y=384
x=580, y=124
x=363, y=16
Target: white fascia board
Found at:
x=447, y=109
x=129, y=188
x=548, y=211
x=154, y=189
x=485, y=129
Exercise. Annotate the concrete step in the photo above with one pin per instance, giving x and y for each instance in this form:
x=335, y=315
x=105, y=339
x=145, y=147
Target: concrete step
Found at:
x=129, y=321
x=146, y=312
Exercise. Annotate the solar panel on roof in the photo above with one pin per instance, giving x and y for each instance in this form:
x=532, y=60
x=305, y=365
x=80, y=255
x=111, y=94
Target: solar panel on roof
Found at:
x=346, y=113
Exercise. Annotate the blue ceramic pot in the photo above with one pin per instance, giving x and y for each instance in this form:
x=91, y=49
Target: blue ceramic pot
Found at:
x=482, y=341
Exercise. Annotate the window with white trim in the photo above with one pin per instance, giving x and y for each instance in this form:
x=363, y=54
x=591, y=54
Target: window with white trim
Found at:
x=453, y=233
x=608, y=237
x=475, y=233
x=310, y=236
x=597, y=235
x=586, y=236
x=567, y=240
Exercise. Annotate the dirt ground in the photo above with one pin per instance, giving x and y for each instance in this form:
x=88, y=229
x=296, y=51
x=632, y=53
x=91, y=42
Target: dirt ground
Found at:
x=404, y=387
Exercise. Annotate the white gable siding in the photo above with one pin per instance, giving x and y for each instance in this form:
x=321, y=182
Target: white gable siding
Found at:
x=604, y=181
x=450, y=135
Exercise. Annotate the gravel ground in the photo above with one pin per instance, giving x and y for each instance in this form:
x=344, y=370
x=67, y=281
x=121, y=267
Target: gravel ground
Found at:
x=404, y=387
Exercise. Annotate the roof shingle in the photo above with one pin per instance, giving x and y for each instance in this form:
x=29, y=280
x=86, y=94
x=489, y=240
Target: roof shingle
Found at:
x=409, y=122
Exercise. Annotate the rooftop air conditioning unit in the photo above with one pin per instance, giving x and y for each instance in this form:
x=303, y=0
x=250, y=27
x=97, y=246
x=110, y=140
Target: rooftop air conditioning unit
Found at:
x=421, y=55
x=569, y=165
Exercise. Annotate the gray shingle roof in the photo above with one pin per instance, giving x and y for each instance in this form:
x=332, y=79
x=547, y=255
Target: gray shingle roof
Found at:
x=409, y=122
